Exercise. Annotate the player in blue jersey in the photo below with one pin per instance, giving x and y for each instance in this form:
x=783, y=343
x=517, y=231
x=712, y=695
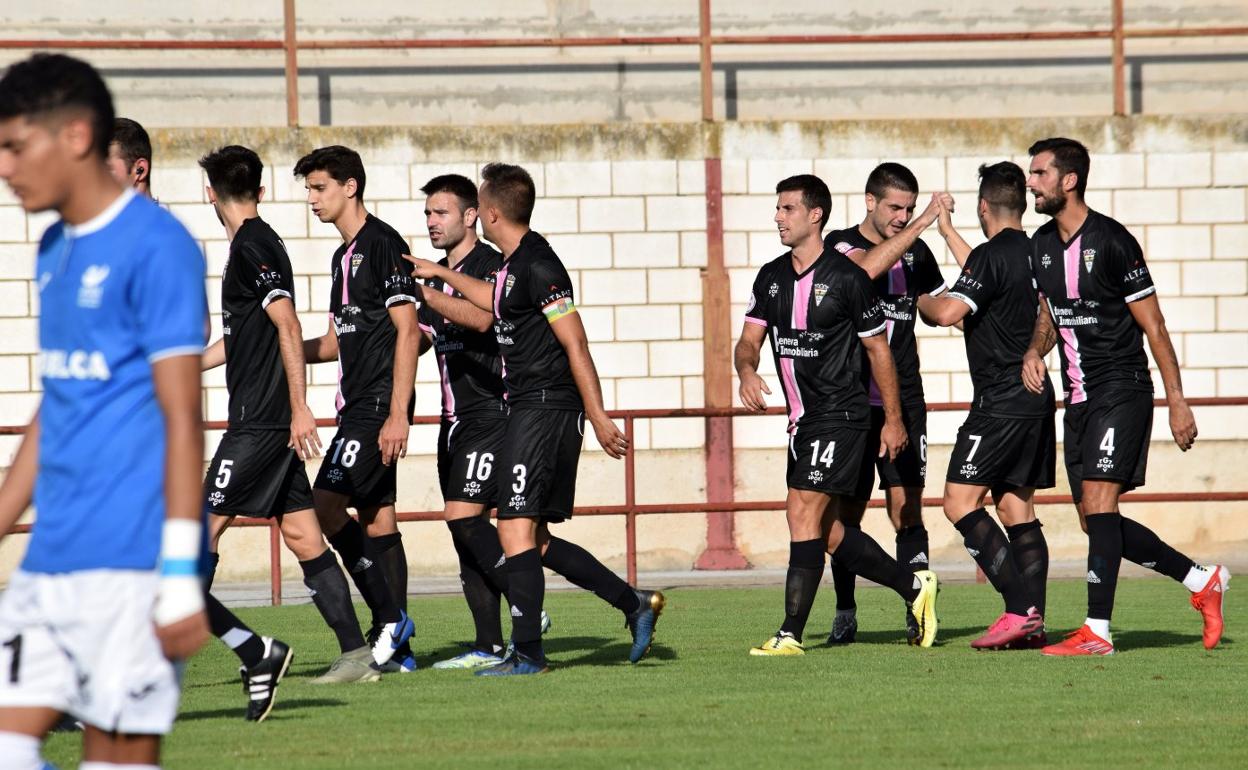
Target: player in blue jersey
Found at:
x=107, y=600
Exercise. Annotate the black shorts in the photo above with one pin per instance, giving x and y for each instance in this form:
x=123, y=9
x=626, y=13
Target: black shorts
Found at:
x=910, y=467
x=352, y=464
x=537, y=463
x=255, y=474
x=1004, y=453
x=1107, y=439
x=825, y=457
x=467, y=452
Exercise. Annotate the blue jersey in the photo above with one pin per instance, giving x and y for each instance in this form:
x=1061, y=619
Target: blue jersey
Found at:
x=117, y=294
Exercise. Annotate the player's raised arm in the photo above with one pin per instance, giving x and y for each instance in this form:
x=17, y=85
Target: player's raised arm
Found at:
x=322, y=349
x=19, y=483
x=745, y=358
x=953, y=239
x=880, y=258
x=570, y=332
x=303, y=436
x=460, y=311
x=475, y=290
x=1147, y=313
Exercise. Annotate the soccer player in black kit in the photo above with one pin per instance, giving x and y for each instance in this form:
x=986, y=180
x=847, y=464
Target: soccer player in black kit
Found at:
x=887, y=246
x=258, y=469
x=1007, y=445
x=1101, y=301
x=819, y=311
x=373, y=335
x=552, y=388
x=474, y=410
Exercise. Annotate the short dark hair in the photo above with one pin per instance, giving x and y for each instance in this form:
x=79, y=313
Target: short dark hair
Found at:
x=235, y=173
x=50, y=82
x=814, y=192
x=512, y=189
x=341, y=163
x=893, y=176
x=1070, y=157
x=1004, y=186
x=455, y=184
x=132, y=140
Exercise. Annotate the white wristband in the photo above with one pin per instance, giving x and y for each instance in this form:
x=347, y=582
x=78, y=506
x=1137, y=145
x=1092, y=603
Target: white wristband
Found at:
x=180, y=593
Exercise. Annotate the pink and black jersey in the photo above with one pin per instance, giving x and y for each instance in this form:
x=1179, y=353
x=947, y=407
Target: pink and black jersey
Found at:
x=914, y=274
x=815, y=321
x=468, y=360
x=1089, y=281
x=531, y=286
x=997, y=284
x=369, y=277
x=257, y=273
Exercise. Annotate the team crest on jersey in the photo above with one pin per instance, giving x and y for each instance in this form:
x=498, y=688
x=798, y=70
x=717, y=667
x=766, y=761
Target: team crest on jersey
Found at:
x=1045, y=261
x=1088, y=256
x=508, y=284
x=909, y=258
x=356, y=261
x=774, y=290
x=92, y=291
x=821, y=291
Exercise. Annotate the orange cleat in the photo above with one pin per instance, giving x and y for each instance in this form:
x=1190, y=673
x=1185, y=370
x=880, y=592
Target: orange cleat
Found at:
x=1081, y=642
x=1208, y=602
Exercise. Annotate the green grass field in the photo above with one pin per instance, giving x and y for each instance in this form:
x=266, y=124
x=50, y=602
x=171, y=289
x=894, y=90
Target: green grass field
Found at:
x=699, y=699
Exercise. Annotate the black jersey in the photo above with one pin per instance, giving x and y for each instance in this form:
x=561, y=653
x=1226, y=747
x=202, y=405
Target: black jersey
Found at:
x=997, y=284
x=256, y=273
x=533, y=290
x=815, y=321
x=914, y=274
x=468, y=361
x=1089, y=281
x=369, y=277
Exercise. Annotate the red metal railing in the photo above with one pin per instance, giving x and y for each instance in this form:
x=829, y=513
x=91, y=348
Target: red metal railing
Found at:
x=631, y=509
x=705, y=40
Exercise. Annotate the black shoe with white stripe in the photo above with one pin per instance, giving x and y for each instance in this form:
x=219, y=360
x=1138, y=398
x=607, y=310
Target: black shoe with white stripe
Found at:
x=261, y=680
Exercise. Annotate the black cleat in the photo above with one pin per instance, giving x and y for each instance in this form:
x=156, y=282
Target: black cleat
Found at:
x=261, y=680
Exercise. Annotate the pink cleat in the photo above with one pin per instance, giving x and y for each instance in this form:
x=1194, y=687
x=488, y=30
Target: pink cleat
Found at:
x=1008, y=629
x=1208, y=602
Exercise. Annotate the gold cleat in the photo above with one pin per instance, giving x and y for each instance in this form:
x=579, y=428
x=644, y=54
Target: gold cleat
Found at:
x=780, y=644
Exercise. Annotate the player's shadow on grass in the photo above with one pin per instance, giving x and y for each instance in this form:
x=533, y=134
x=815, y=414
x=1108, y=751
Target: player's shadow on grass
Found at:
x=602, y=652
x=284, y=706
x=898, y=636
x=1143, y=639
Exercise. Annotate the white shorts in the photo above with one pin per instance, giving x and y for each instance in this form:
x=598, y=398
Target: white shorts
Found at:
x=83, y=643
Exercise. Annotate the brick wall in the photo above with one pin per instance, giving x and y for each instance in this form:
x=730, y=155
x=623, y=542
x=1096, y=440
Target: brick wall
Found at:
x=629, y=219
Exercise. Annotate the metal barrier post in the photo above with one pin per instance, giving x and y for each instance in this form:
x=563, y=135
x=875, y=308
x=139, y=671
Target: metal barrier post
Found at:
x=275, y=564
x=630, y=500
x=1119, y=62
x=292, y=64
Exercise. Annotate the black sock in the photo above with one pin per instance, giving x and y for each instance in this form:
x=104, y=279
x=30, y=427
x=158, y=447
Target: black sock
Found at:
x=393, y=561
x=1031, y=557
x=986, y=544
x=1142, y=546
x=843, y=583
x=582, y=569
x=863, y=556
x=226, y=626
x=361, y=565
x=211, y=560
x=332, y=598
x=528, y=589
x=480, y=538
x=912, y=547
x=805, y=572
x=482, y=598
x=1104, y=559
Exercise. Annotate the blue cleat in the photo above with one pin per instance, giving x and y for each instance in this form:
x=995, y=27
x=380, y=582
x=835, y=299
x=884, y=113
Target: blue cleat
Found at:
x=387, y=639
x=515, y=665
x=642, y=622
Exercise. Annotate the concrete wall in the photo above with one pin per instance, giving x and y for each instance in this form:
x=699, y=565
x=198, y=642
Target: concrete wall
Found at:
x=624, y=207
x=648, y=84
